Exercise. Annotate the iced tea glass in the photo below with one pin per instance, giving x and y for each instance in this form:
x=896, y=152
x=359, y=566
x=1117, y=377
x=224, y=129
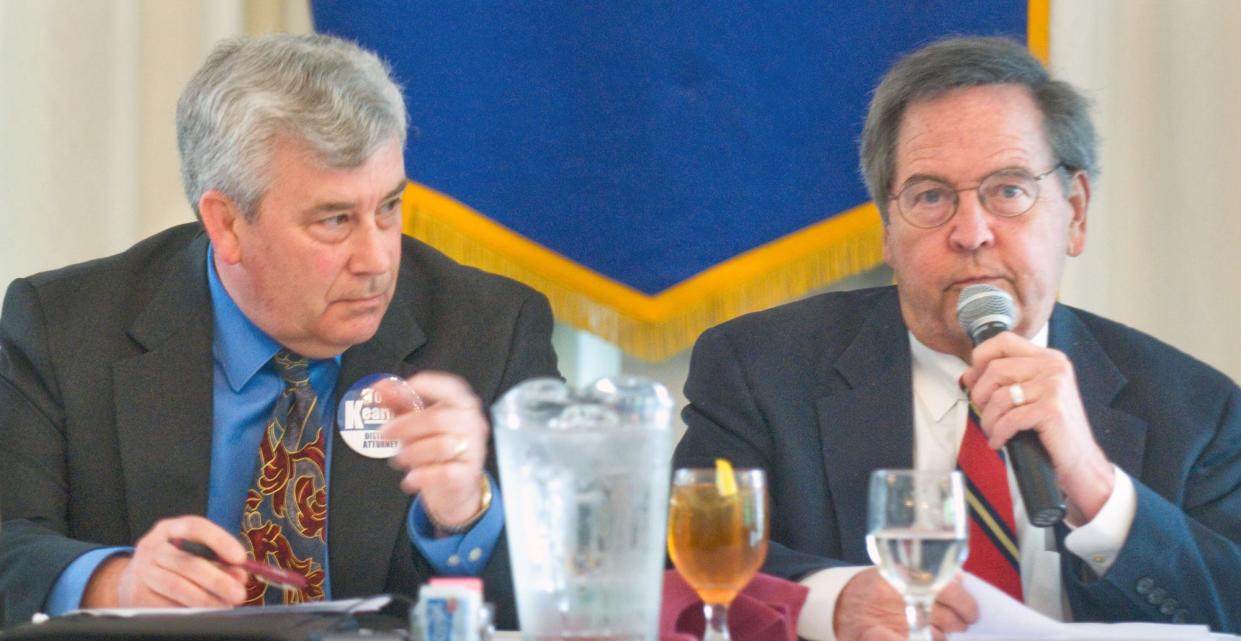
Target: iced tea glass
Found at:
x=717, y=536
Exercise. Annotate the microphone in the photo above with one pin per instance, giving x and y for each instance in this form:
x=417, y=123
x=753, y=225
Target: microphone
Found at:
x=984, y=311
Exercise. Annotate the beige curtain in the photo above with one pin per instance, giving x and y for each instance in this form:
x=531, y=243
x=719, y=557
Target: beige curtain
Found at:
x=1165, y=220
x=88, y=161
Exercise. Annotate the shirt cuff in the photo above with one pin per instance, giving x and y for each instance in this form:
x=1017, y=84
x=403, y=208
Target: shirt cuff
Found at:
x=67, y=591
x=818, y=614
x=464, y=554
x=1100, y=541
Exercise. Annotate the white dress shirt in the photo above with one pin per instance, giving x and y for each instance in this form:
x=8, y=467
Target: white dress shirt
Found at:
x=940, y=409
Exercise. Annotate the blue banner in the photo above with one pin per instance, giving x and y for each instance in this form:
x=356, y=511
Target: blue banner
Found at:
x=642, y=145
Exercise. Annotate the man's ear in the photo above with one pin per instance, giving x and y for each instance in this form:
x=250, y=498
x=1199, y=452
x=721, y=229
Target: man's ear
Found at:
x=224, y=224
x=887, y=251
x=1079, y=202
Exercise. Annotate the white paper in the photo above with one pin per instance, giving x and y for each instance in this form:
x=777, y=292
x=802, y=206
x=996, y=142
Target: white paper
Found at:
x=1003, y=618
x=369, y=604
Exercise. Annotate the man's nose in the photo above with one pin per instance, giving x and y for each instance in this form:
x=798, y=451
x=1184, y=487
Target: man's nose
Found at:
x=370, y=251
x=971, y=226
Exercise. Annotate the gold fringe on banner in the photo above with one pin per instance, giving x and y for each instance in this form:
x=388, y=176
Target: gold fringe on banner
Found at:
x=651, y=327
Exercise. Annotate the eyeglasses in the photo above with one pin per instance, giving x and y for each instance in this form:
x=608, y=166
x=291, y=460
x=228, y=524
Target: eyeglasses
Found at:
x=928, y=203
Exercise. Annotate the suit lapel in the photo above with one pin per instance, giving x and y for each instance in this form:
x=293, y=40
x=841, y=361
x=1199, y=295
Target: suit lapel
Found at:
x=867, y=424
x=163, y=397
x=366, y=507
x=1121, y=435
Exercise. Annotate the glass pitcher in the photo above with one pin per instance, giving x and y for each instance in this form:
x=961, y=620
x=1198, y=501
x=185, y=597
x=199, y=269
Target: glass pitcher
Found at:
x=585, y=477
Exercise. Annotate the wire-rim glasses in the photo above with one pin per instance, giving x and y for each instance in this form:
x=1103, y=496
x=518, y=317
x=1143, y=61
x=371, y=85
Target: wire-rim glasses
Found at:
x=927, y=203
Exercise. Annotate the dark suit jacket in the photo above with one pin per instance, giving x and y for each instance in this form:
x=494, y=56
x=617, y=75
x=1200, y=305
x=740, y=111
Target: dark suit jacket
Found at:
x=106, y=420
x=819, y=393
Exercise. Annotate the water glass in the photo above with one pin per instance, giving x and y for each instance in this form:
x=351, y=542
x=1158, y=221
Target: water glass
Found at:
x=918, y=535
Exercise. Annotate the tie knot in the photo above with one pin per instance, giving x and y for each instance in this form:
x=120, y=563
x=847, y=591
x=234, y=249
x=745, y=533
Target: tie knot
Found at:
x=292, y=367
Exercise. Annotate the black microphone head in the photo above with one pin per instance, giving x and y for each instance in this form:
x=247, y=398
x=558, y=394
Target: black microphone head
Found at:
x=984, y=311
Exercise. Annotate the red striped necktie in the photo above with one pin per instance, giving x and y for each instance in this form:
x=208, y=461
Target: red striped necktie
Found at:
x=994, y=555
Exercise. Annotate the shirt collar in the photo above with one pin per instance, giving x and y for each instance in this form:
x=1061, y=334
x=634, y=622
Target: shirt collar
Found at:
x=240, y=348
x=936, y=375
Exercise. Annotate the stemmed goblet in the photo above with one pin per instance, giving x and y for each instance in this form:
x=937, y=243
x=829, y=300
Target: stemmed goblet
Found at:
x=717, y=535
x=918, y=535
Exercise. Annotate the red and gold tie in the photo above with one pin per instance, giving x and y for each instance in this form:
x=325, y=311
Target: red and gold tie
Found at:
x=286, y=508
x=994, y=555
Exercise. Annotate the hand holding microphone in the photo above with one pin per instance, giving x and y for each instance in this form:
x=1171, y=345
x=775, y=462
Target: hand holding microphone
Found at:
x=985, y=311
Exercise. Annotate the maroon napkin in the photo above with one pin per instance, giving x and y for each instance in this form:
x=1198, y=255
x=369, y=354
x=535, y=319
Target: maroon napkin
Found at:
x=766, y=610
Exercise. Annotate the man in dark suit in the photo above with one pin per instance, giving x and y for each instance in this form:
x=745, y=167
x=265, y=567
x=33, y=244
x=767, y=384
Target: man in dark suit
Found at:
x=139, y=392
x=981, y=166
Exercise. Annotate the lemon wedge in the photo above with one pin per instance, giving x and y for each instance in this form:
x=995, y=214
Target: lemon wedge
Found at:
x=725, y=479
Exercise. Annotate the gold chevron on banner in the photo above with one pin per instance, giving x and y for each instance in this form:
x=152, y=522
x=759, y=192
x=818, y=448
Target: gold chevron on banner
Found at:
x=654, y=327
x=651, y=327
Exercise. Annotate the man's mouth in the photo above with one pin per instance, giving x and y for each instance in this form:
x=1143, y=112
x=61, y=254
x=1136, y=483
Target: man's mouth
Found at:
x=977, y=280
x=366, y=299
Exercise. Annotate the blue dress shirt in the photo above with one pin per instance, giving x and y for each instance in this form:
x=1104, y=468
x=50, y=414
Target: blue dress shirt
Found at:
x=245, y=387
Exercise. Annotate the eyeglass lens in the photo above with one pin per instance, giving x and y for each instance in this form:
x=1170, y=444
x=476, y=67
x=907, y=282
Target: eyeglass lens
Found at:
x=930, y=203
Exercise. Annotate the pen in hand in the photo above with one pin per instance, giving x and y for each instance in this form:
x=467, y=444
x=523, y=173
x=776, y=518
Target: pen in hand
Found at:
x=261, y=571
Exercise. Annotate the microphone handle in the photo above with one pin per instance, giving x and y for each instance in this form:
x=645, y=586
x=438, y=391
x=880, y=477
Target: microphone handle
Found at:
x=1040, y=491
x=1036, y=479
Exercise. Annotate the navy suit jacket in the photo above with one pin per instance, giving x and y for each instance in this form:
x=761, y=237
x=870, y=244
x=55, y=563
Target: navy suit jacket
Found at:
x=105, y=408
x=819, y=393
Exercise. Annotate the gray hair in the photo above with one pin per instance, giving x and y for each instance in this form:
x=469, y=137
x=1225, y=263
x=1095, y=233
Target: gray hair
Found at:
x=969, y=62
x=331, y=94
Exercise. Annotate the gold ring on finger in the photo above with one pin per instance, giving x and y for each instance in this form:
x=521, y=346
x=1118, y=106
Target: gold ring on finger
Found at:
x=459, y=450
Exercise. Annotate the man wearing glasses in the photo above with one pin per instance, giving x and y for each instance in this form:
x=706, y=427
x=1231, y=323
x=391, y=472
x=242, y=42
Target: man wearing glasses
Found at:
x=982, y=167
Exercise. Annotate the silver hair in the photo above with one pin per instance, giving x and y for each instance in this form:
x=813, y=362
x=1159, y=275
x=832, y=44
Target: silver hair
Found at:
x=970, y=62
x=327, y=93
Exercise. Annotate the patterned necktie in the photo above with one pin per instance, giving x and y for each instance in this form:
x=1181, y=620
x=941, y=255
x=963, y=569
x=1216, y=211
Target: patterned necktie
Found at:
x=283, y=520
x=994, y=555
